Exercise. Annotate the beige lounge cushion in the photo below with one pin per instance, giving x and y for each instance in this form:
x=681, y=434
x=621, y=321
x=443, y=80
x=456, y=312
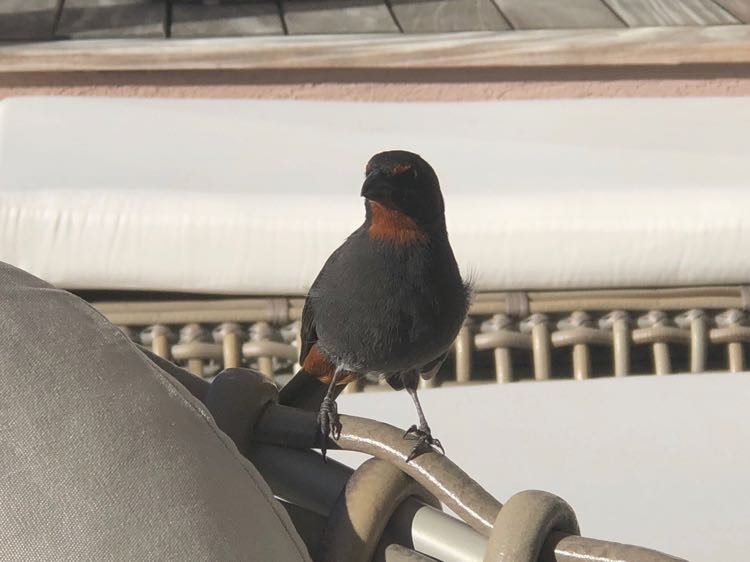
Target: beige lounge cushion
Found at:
x=241, y=196
x=106, y=457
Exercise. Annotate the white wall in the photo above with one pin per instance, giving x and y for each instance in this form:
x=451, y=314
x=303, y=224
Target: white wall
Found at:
x=662, y=462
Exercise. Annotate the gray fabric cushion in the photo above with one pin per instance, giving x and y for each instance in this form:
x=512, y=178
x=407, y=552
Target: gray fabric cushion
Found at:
x=106, y=457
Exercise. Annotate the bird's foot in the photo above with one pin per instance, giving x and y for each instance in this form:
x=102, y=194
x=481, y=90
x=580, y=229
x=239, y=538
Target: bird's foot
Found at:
x=425, y=441
x=328, y=423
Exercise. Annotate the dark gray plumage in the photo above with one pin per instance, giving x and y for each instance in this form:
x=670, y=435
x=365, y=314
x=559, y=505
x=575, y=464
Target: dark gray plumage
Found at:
x=389, y=301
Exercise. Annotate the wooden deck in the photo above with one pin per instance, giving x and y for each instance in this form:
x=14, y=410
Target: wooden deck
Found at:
x=152, y=34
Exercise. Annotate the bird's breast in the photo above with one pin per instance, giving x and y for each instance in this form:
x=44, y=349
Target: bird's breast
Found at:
x=387, y=309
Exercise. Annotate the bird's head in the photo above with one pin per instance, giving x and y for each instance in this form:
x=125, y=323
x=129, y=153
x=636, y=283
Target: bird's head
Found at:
x=403, y=182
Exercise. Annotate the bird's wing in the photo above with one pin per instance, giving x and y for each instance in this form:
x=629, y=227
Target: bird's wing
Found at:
x=309, y=385
x=308, y=331
x=308, y=335
x=304, y=390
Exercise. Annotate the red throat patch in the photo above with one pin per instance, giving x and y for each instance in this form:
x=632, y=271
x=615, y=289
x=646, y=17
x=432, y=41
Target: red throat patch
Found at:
x=393, y=225
x=317, y=365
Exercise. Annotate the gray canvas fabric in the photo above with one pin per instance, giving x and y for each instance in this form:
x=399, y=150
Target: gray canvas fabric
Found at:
x=103, y=456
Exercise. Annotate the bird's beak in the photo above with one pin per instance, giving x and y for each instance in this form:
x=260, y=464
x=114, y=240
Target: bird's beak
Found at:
x=376, y=187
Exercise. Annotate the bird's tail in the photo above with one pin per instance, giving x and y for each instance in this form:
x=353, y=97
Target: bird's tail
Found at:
x=305, y=391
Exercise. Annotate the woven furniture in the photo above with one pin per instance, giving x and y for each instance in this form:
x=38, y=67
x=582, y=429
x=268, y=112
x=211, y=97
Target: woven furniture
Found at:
x=508, y=336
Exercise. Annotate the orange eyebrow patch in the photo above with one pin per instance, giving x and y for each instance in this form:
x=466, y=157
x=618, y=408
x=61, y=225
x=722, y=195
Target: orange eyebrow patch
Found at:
x=320, y=367
x=393, y=225
x=400, y=169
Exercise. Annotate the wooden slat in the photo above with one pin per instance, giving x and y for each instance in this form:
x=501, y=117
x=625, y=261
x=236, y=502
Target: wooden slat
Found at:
x=88, y=19
x=27, y=19
x=740, y=9
x=517, y=49
x=225, y=19
x=337, y=16
x=557, y=14
x=639, y=13
x=438, y=16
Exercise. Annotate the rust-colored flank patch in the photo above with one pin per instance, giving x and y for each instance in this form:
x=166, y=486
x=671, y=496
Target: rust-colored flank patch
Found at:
x=393, y=225
x=320, y=367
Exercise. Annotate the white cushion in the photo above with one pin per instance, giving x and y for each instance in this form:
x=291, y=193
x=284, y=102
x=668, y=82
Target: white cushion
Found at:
x=252, y=196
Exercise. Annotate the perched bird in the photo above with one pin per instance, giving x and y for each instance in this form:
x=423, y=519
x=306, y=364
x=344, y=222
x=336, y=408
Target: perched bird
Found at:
x=389, y=301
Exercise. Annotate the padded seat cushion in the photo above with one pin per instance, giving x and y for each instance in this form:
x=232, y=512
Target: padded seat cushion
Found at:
x=107, y=457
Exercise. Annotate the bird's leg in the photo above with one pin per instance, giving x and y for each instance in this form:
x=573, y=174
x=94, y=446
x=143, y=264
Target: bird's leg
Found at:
x=423, y=435
x=328, y=416
x=423, y=426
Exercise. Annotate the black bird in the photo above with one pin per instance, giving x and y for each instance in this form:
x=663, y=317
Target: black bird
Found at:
x=389, y=301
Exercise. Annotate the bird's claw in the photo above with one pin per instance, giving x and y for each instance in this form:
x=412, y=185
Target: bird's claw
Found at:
x=328, y=423
x=425, y=441
x=413, y=429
